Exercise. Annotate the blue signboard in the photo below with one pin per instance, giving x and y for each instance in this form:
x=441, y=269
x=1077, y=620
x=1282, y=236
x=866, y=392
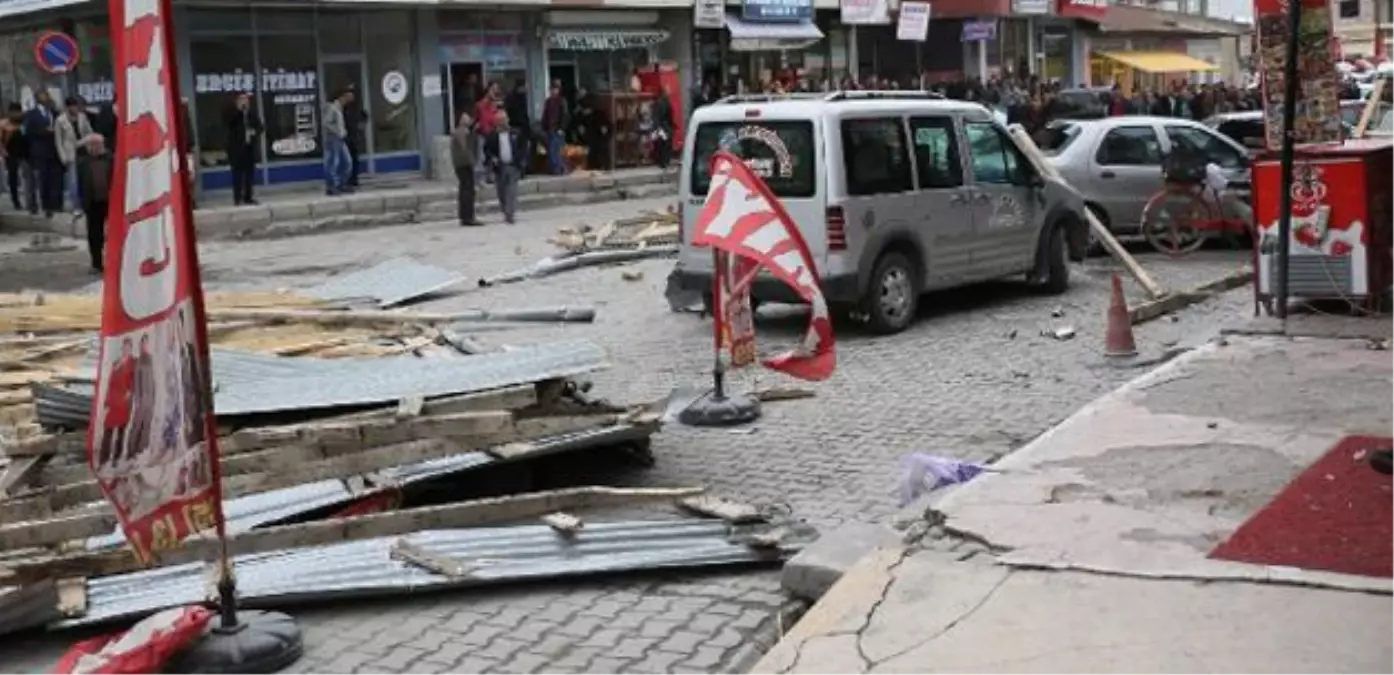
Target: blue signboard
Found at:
x=783, y=11
x=56, y=53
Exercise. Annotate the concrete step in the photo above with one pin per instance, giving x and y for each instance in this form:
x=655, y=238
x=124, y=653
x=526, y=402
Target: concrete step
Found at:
x=426, y=200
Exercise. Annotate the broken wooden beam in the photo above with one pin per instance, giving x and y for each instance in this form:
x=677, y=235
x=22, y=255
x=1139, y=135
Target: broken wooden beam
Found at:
x=371, y=317
x=320, y=533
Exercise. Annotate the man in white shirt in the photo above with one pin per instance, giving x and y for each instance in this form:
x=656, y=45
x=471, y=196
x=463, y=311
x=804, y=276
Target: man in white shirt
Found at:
x=503, y=151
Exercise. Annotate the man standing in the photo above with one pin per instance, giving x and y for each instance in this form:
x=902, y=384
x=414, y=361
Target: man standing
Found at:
x=505, y=159
x=485, y=112
x=72, y=128
x=516, y=105
x=45, y=168
x=15, y=150
x=104, y=123
x=243, y=126
x=463, y=147
x=556, y=118
x=94, y=184
x=354, y=116
x=336, y=155
x=663, y=128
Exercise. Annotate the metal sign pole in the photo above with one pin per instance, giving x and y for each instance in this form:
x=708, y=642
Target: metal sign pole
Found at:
x=1286, y=158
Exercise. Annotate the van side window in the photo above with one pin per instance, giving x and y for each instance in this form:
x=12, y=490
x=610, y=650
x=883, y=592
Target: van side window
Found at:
x=875, y=158
x=936, y=152
x=994, y=155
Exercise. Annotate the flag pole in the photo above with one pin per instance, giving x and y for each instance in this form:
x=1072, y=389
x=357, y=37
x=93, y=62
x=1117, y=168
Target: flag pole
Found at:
x=719, y=273
x=720, y=409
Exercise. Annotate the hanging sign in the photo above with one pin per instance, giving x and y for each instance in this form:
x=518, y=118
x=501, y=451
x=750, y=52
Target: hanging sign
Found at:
x=395, y=87
x=865, y=12
x=777, y=11
x=1030, y=7
x=56, y=53
x=1318, y=106
x=152, y=440
x=914, y=21
x=980, y=30
x=605, y=41
x=709, y=14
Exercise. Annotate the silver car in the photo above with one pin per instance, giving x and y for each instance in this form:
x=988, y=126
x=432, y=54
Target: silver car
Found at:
x=1116, y=163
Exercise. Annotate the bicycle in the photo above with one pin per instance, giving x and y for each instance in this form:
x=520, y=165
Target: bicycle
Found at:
x=1181, y=217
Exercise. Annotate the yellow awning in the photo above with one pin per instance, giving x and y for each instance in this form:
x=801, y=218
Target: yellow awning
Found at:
x=1160, y=62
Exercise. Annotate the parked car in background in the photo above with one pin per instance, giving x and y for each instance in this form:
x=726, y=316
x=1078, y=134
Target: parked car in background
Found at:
x=1116, y=162
x=1246, y=128
x=1085, y=103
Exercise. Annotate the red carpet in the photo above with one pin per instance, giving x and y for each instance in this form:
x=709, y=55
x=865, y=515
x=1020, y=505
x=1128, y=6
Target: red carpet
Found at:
x=1335, y=517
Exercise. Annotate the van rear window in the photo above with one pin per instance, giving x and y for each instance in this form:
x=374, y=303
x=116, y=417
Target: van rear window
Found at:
x=780, y=152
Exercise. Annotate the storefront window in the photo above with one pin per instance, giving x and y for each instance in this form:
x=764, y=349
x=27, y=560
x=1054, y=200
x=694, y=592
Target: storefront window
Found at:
x=391, y=82
x=284, y=21
x=339, y=33
x=220, y=20
x=223, y=67
x=94, y=70
x=289, y=93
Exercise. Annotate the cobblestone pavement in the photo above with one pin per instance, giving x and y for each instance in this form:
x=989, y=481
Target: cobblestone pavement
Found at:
x=973, y=379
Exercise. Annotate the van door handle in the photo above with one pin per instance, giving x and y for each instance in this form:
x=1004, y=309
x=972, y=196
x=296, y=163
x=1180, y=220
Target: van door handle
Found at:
x=1107, y=174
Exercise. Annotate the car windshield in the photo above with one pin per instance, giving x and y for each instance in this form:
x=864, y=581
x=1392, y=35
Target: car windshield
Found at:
x=779, y=152
x=1056, y=137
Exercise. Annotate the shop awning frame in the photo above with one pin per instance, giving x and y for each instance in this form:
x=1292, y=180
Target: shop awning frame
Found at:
x=605, y=39
x=1161, y=62
x=747, y=36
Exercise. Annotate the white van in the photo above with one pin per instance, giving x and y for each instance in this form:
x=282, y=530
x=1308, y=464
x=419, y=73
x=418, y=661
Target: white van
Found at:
x=897, y=193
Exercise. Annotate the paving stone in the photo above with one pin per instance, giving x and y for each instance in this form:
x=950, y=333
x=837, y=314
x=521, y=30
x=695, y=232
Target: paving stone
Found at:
x=814, y=570
x=580, y=626
x=683, y=642
x=502, y=648
x=656, y=628
x=523, y=662
x=607, y=637
x=632, y=647
x=480, y=635
x=473, y=665
x=579, y=658
x=398, y=658
x=657, y=661
x=704, y=659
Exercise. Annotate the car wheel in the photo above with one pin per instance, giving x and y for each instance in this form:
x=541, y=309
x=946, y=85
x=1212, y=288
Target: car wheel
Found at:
x=1057, y=279
x=893, y=297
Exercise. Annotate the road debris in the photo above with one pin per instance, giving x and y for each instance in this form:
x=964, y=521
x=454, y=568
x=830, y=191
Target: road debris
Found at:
x=572, y=261
x=632, y=275
x=387, y=284
x=564, y=523
x=1062, y=333
x=922, y=472
x=725, y=509
x=647, y=229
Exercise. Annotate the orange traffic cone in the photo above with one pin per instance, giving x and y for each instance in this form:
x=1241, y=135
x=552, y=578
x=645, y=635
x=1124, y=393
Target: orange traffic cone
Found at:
x=1118, y=341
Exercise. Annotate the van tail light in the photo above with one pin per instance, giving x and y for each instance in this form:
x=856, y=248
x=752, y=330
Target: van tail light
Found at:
x=837, y=229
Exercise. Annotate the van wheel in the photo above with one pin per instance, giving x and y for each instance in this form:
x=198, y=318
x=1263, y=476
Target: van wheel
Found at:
x=893, y=297
x=1057, y=278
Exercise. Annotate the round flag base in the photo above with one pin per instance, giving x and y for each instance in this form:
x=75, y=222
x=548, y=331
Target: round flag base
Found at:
x=726, y=411
x=261, y=642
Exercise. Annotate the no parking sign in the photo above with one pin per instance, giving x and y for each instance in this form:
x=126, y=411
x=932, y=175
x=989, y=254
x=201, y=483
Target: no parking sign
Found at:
x=56, y=53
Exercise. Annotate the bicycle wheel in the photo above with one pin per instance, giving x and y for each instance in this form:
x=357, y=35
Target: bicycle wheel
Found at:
x=1169, y=221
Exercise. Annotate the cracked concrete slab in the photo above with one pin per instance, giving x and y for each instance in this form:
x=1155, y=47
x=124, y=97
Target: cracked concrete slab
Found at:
x=1148, y=479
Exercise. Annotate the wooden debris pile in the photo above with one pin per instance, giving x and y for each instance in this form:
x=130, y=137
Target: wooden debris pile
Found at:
x=647, y=229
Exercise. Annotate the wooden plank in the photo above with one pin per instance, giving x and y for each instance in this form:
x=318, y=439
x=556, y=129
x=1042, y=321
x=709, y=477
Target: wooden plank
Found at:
x=1115, y=249
x=1148, y=311
x=1372, y=105
x=372, y=526
x=411, y=554
x=27, y=529
x=18, y=475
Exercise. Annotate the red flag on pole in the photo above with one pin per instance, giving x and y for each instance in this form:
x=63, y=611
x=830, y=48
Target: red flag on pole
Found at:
x=152, y=443
x=744, y=220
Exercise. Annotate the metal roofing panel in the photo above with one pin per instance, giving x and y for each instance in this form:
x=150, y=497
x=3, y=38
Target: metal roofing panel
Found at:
x=502, y=554
x=387, y=284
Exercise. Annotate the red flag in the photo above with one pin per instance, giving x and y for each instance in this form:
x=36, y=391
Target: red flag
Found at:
x=152, y=441
x=743, y=218
x=145, y=648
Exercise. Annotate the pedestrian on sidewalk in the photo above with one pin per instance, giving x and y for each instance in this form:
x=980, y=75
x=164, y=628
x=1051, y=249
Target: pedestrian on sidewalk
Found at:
x=354, y=120
x=71, y=128
x=505, y=159
x=463, y=147
x=243, y=126
x=45, y=169
x=16, y=152
x=336, y=156
x=516, y=105
x=94, y=184
x=663, y=130
x=485, y=112
x=556, y=118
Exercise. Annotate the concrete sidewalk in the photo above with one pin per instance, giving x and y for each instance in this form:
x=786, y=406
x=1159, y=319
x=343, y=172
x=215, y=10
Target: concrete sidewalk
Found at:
x=291, y=213
x=1087, y=553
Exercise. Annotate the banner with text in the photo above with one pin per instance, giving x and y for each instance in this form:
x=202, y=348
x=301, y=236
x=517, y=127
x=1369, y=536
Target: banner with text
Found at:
x=148, y=443
x=865, y=12
x=914, y=21
x=1318, y=105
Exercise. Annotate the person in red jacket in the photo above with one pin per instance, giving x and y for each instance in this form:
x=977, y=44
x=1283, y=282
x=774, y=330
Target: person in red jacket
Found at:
x=116, y=408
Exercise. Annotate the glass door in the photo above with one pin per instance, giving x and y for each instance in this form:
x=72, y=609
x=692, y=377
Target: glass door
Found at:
x=337, y=75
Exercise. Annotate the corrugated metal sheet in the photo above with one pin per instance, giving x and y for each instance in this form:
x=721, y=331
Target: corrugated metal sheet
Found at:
x=256, y=510
x=249, y=383
x=503, y=554
x=28, y=607
x=386, y=284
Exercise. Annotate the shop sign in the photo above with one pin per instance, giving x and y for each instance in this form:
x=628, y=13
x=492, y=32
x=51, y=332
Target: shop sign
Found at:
x=865, y=12
x=394, y=87
x=605, y=41
x=777, y=10
x=495, y=51
x=286, y=88
x=709, y=14
x=914, y=21
x=980, y=30
x=103, y=91
x=1092, y=10
x=1317, y=108
x=1031, y=7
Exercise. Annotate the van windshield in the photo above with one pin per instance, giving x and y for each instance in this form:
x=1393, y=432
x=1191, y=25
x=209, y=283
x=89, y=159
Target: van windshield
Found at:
x=781, y=153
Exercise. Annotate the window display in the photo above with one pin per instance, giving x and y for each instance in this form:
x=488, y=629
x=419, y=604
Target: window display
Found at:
x=391, y=108
x=289, y=92
x=223, y=67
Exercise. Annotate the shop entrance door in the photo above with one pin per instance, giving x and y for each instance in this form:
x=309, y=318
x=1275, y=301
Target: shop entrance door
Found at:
x=347, y=72
x=466, y=81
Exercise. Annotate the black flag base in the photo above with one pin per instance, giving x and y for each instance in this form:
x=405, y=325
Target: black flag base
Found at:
x=718, y=409
x=260, y=642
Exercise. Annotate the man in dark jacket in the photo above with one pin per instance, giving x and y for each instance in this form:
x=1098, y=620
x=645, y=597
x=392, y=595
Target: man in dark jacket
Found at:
x=45, y=169
x=104, y=123
x=355, y=118
x=463, y=145
x=663, y=129
x=556, y=119
x=516, y=105
x=503, y=155
x=94, y=184
x=243, y=127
